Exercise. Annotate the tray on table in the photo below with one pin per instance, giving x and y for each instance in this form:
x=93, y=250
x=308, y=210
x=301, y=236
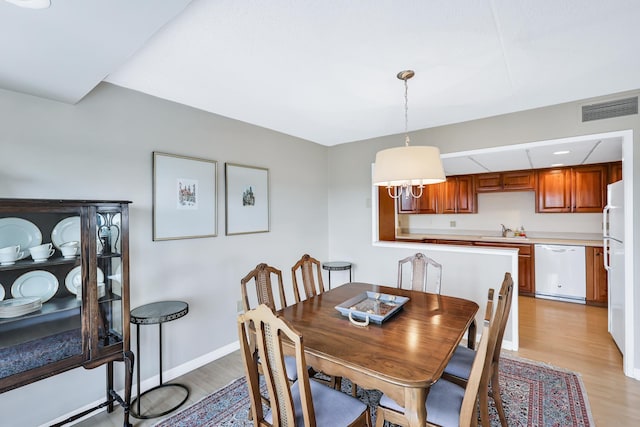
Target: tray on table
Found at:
x=374, y=306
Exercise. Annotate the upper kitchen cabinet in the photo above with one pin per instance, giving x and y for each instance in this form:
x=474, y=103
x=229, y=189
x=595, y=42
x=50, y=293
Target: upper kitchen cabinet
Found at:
x=576, y=189
x=427, y=203
x=505, y=181
x=455, y=195
x=615, y=172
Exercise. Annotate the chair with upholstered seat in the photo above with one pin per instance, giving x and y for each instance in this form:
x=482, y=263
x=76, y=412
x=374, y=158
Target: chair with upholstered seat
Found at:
x=449, y=404
x=303, y=403
x=459, y=367
x=308, y=269
x=421, y=265
x=263, y=278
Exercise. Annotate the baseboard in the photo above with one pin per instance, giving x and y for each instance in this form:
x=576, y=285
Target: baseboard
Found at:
x=153, y=381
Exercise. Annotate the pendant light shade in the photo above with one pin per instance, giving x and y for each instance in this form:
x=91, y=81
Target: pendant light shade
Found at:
x=408, y=166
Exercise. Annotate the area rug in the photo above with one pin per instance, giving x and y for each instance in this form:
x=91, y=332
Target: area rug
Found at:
x=534, y=394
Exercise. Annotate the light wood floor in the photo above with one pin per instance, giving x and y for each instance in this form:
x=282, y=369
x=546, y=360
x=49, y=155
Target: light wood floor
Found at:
x=571, y=336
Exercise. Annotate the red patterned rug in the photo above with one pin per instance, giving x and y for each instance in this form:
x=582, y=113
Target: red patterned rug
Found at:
x=534, y=394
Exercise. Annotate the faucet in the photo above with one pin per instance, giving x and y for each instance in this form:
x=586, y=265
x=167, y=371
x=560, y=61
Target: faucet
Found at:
x=504, y=230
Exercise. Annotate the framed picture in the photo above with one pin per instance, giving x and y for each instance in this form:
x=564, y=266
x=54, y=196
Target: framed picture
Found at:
x=184, y=197
x=247, y=199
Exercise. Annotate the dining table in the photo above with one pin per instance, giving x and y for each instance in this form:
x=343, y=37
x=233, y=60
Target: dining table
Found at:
x=402, y=356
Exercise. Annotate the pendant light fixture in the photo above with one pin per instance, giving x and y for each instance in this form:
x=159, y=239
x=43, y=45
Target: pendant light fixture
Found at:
x=407, y=166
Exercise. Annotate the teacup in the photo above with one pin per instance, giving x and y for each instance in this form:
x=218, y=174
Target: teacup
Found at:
x=41, y=252
x=69, y=249
x=10, y=254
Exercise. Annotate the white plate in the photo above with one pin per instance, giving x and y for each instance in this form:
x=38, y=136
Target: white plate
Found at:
x=18, y=306
x=66, y=230
x=36, y=283
x=74, y=278
x=18, y=231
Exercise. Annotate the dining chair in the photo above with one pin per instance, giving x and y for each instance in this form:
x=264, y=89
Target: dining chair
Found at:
x=262, y=278
x=449, y=404
x=303, y=403
x=420, y=264
x=459, y=367
x=308, y=269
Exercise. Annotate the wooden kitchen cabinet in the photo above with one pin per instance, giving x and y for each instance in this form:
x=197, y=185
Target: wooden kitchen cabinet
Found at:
x=588, y=188
x=454, y=242
x=505, y=181
x=386, y=216
x=597, y=286
x=455, y=195
x=427, y=203
x=615, y=172
x=526, y=271
x=519, y=181
x=575, y=189
x=62, y=313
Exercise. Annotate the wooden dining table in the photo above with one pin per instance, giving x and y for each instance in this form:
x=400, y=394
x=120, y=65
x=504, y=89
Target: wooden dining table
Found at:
x=402, y=356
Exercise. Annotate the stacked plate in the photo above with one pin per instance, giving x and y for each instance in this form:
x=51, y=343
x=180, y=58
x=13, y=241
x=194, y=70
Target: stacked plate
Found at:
x=18, y=306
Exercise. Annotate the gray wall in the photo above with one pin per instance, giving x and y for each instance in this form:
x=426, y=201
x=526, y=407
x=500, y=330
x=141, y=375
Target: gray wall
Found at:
x=102, y=148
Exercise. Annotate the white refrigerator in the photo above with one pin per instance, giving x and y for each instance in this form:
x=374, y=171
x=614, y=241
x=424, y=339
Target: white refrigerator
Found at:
x=613, y=242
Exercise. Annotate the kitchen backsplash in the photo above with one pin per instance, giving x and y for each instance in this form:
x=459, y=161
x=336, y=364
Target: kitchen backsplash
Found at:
x=512, y=209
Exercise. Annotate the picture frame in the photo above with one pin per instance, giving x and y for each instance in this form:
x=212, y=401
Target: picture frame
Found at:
x=184, y=197
x=246, y=199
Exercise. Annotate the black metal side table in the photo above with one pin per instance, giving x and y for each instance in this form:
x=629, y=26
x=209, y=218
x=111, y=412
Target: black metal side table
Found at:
x=148, y=314
x=336, y=266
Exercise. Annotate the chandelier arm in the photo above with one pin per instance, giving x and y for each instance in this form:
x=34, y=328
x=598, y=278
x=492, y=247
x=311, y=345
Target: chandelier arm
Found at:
x=397, y=196
x=419, y=194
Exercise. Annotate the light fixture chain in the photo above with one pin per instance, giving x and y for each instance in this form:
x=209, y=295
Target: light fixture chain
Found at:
x=406, y=113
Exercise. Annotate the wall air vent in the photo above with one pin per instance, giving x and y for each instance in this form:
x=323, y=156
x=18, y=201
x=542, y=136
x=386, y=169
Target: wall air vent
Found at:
x=607, y=110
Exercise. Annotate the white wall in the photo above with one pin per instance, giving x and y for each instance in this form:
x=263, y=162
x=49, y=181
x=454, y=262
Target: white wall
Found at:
x=513, y=209
x=102, y=148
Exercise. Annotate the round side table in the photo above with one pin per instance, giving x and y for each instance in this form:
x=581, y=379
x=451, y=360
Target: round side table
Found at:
x=336, y=266
x=148, y=314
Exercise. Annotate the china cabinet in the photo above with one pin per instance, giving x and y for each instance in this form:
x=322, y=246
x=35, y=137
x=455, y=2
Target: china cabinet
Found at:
x=64, y=312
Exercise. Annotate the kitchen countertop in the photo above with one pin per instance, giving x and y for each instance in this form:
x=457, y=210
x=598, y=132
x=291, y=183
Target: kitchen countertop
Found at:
x=578, y=239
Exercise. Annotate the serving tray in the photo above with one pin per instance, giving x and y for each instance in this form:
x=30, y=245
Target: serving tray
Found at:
x=372, y=306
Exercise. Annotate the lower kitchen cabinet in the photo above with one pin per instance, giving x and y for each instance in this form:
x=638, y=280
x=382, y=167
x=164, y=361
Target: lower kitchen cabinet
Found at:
x=596, y=276
x=526, y=271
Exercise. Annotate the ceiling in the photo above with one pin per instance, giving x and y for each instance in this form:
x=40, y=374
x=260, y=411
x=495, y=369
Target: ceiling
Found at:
x=325, y=71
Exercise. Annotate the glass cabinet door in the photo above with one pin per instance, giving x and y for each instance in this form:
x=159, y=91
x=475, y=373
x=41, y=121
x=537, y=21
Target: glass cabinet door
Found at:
x=40, y=278
x=109, y=277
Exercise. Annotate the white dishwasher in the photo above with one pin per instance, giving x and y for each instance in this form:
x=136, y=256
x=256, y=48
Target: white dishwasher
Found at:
x=561, y=273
